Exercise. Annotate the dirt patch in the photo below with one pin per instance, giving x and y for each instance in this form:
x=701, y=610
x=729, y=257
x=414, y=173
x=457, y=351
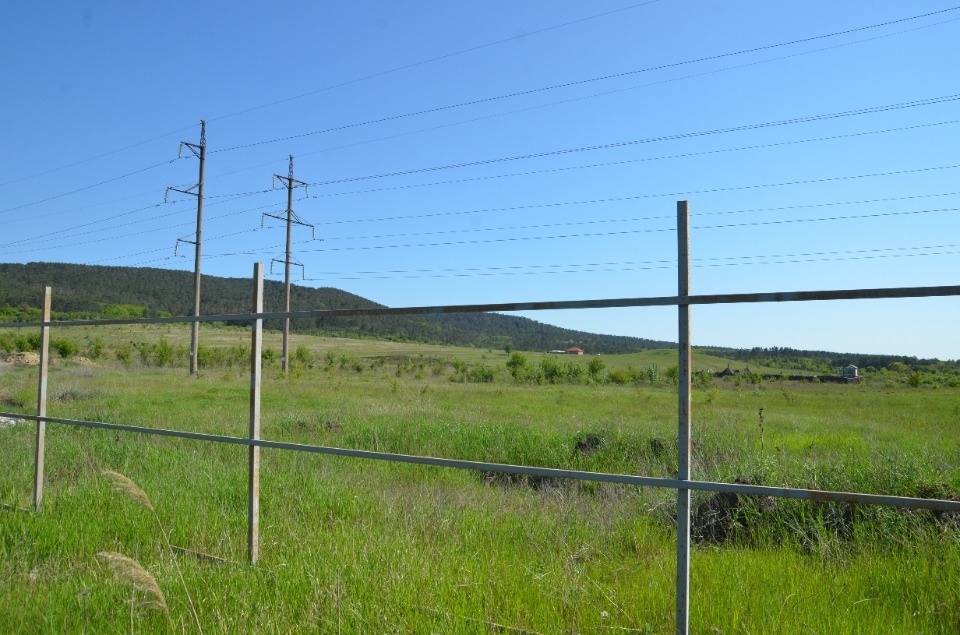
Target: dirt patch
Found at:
x=23, y=359
x=9, y=422
x=83, y=361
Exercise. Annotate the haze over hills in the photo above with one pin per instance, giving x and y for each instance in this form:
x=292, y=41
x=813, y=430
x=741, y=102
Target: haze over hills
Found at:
x=85, y=291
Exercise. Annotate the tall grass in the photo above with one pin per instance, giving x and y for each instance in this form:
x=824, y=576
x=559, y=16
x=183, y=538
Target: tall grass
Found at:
x=355, y=547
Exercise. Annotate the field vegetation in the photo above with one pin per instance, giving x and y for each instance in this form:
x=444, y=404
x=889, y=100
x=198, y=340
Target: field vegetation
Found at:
x=357, y=546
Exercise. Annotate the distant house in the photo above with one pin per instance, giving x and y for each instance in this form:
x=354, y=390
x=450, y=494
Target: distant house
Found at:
x=849, y=373
x=726, y=372
x=573, y=350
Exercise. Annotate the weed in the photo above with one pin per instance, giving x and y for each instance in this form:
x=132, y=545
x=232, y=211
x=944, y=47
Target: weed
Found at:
x=130, y=489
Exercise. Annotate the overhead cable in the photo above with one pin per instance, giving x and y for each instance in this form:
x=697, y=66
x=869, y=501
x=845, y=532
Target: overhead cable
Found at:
x=672, y=137
x=610, y=267
x=684, y=155
x=592, y=80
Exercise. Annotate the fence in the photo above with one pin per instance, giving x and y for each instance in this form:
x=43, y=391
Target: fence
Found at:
x=682, y=483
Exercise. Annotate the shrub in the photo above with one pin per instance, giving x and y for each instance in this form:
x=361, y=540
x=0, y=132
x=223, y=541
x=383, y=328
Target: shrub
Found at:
x=8, y=343
x=26, y=343
x=64, y=347
x=303, y=356
x=481, y=374
x=96, y=348
x=551, y=370
x=269, y=356
x=125, y=354
x=620, y=376
x=595, y=367
x=574, y=371
x=163, y=352
x=519, y=366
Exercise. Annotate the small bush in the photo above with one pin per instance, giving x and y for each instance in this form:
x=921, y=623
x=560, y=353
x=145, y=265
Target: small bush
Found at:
x=64, y=347
x=269, y=356
x=125, y=354
x=619, y=376
x=303, y=356
x=96, y=348
x=481, y=374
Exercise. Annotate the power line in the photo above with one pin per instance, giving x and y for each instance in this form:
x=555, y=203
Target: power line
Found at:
x=588, y=80
x=616, y=91
x=604, y=221
x=431, y=60
x=235, y=196
x=673, y=137
x=644, y=196
x=72, y=230
x=607, y=93
x=555, y=204
x=93, y=158
x=88, y=187
x=609, y=267
x=517, y=239
x=641, y=160
x=340, y=85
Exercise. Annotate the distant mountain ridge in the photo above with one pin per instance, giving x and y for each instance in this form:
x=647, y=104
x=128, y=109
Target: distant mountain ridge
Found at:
x=84, y=291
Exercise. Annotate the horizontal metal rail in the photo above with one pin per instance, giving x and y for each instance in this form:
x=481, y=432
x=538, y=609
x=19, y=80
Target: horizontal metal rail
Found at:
x=736, y=298
x=579, y=475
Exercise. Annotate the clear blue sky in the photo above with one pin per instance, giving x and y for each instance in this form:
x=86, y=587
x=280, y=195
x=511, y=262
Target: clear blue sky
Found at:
x=98, y=96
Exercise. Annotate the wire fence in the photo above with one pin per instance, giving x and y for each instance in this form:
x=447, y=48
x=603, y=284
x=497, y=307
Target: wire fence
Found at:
x=683, y=484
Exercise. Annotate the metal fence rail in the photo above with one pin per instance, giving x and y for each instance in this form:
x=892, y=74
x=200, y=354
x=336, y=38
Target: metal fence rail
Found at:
x=903, y=502
x=683, y=484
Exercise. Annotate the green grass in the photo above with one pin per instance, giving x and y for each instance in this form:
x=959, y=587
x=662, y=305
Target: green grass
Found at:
x=358, y=546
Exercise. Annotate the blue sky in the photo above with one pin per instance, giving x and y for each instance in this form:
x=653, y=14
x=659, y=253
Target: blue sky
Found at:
x=628, y=108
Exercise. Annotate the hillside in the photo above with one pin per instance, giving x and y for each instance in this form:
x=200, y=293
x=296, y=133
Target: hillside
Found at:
x=86, y=291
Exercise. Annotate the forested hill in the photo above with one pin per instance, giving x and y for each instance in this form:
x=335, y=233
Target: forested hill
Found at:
x=90, y=291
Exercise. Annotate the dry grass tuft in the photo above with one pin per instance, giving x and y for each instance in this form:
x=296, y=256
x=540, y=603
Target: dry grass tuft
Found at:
x=129, y=570
x=126, y=486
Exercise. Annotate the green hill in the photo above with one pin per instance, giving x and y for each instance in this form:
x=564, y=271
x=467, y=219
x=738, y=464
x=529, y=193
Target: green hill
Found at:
x=91, y=291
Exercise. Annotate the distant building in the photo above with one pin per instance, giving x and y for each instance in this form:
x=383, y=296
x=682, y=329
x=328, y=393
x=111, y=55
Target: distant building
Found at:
x=573, y=350
x=849, y=373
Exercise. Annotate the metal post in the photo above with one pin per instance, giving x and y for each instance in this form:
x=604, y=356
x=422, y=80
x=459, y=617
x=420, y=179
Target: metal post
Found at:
x=195, y=332
x=683, y=435
x=42, y=403
x=285, y=360
x=253, y=489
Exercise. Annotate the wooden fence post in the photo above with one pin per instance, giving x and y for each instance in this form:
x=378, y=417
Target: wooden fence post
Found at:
x=42, y=402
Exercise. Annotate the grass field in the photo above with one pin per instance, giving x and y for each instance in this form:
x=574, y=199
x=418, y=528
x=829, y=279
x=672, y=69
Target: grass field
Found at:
x=357, y=546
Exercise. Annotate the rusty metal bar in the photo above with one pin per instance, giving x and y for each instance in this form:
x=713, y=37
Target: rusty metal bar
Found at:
x=253, y=488
x=905, y=502
x=735, y=298
x=42, y=403
x=683, y=415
